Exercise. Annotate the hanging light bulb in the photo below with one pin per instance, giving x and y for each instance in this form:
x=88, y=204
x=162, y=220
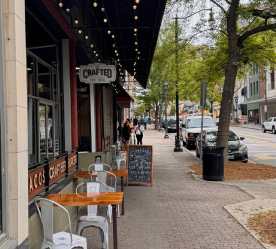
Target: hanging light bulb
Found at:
x=134, y=7
x=102, y=9
x=135, y=29
x=137, y=1
x=113, y=45
x=108, y=32
x=91, y=45
x=60, y=4
x=79, y=31
x=113, y=36
x=86, y=37
x=95, y=4
x=105, y=20
x=67, y=10
x=136, y=43
x=76, y=21
x=135, y=17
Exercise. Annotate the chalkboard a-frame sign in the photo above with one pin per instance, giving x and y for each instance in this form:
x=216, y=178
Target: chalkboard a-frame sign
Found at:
x=139, y=159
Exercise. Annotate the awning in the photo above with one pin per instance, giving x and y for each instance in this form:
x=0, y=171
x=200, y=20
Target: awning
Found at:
x=118, y=31
x=123, y=99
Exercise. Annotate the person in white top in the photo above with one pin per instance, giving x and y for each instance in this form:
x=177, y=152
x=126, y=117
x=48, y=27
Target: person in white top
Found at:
x=139, y=131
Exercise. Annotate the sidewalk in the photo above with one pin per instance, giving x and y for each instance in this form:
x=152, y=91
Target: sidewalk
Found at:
x=179, y=212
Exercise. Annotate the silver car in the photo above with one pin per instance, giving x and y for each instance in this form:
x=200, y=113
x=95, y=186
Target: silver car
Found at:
x=237, y=150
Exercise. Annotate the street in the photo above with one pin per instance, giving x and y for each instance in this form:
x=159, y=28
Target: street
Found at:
x=261, y=146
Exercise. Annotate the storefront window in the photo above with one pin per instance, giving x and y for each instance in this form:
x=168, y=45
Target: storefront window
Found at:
x=44, y=116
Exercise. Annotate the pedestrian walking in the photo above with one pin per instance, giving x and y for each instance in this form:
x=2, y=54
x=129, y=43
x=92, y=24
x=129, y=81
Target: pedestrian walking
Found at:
x=126, y=132
x=133, y=139
x=139, y=133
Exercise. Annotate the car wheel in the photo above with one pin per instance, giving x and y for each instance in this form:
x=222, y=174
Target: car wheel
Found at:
x=273, y=130
x=245, y=161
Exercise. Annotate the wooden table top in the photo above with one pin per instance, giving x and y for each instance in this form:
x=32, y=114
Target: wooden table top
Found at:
x=85, y=199
x=86, y=174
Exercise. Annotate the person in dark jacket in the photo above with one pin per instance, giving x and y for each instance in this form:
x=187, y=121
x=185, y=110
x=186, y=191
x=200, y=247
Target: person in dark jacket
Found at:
x=126, y=132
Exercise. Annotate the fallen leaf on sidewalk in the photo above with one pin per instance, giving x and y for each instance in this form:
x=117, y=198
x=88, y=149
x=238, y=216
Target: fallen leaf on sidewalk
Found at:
x=241, y=171
x=264, y=224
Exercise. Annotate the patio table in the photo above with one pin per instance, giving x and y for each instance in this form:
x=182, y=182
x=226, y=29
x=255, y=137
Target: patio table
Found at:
x=86, y=199
x=122, y=173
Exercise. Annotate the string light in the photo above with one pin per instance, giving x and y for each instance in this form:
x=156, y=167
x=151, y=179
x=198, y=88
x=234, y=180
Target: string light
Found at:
x=134, y=7
x=113, y=36
x=95, y=4
x=86, y=37
x=108, y=32
x=102, y=9
x=136, y=17
x=76, y=21
x=60, y=4
x=67, y=10
x=91, y=45
x=135, y=29
x=79, y=31
x=105, y=20
x=137, y=1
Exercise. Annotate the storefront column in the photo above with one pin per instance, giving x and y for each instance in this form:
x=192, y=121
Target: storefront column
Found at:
x=67, y=94
x=93, y=118
x=74, y=96
x=15, y=182
x=99, y=118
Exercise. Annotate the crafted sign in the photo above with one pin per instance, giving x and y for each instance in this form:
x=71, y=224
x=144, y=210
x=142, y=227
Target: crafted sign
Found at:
x=97, y=73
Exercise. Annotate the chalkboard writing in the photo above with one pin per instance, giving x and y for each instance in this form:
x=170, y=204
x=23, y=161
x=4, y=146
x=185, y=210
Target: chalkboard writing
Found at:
x=139, y=160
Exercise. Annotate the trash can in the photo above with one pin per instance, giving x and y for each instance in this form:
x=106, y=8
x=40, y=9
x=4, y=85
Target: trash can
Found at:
x=213, y=164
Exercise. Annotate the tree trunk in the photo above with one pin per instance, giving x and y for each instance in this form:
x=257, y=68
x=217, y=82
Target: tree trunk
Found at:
x=231, y=70
x=156, y=116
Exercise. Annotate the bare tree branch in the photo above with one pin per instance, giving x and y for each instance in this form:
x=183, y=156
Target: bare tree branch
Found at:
x=218, y=5
x=227, y=1
x=256, y=30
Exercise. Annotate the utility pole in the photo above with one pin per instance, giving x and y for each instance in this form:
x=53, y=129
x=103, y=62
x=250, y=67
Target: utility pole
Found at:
x=177, y=147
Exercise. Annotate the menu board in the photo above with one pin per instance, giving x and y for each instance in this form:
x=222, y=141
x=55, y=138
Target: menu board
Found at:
x=139, y=160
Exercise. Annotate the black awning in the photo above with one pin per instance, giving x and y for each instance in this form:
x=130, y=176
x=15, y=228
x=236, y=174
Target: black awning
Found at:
x=122, y=18
x=108, y=27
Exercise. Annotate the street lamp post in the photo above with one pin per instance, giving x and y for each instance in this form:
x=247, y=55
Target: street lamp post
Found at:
x=177, y=147
x=166, y=107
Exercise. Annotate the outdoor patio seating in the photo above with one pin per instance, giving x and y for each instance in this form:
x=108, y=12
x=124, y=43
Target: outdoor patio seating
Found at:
x=60, y=240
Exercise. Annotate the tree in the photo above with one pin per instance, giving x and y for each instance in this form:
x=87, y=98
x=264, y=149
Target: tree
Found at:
x=245, y=33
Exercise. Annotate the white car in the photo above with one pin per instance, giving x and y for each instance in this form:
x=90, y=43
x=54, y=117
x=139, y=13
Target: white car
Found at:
x=270, y=125
x=192, y=128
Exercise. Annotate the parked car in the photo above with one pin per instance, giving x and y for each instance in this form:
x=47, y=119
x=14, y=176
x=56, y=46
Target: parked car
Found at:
x=270, y=125
x=237, y=150
x=192, y=127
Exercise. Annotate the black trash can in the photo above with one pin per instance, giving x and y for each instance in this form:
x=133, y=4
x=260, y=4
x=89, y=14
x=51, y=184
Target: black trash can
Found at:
x=213, y=164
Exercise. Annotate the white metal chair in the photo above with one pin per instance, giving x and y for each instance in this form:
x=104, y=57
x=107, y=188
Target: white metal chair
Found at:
x=60, y=240
x=99, y=167
x=108, y=180
x=92, y=219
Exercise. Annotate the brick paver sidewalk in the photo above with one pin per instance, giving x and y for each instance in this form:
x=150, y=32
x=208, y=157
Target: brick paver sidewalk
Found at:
x=178, y=211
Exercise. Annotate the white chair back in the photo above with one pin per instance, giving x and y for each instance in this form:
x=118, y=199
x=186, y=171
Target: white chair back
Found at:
x=45, y=209
x=92, y=187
